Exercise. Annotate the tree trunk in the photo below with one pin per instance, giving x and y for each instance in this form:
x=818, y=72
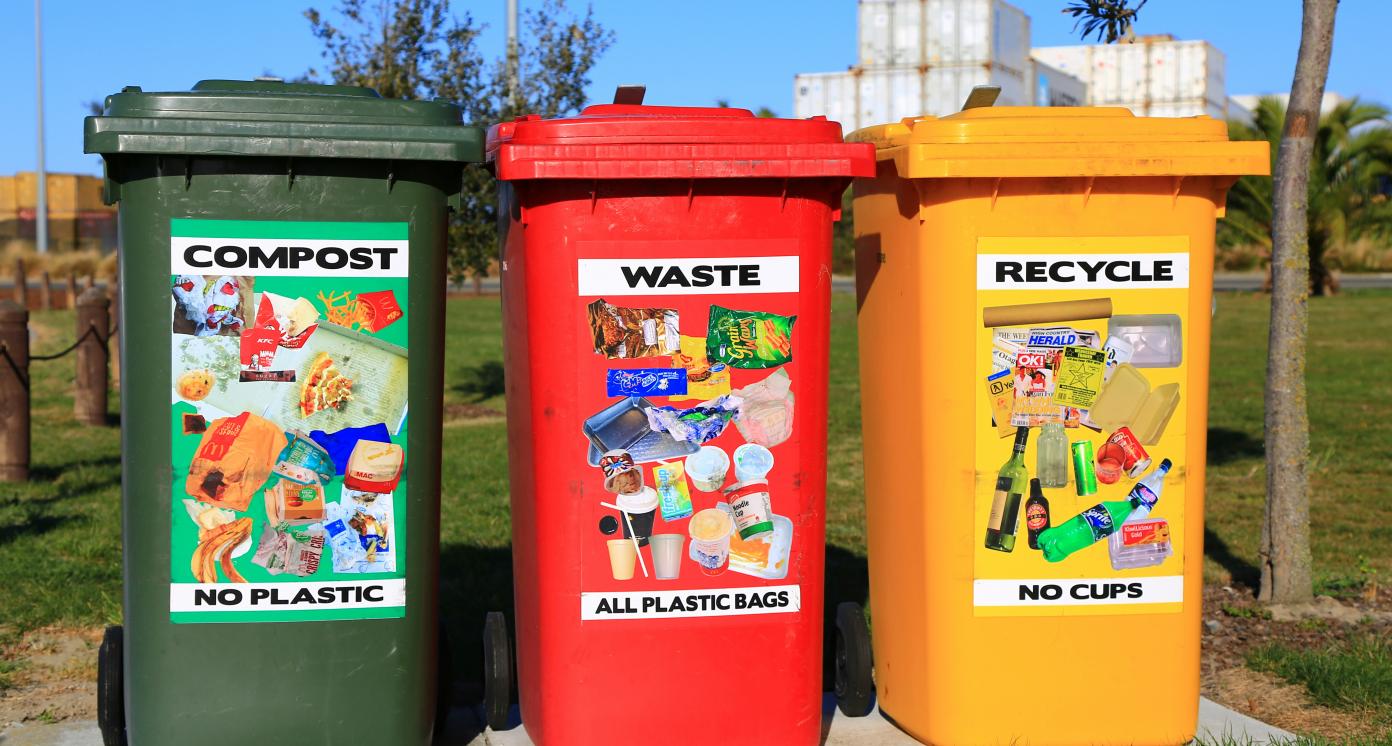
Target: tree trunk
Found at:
x=1285, y=552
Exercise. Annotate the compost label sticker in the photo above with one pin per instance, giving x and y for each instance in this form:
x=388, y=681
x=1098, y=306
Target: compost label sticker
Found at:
x=288, y=398
x=685, y=444
x=1081, y=363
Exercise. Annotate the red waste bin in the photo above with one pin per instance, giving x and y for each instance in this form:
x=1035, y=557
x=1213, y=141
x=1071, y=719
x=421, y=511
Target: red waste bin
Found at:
x=666, y=288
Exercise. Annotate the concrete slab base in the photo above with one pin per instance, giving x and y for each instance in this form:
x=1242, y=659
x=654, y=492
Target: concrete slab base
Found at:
x=465, y=729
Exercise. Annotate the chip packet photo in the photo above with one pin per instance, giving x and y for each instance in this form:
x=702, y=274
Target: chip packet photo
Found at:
x=620, y=332
x=749, y=339
x=704, y=380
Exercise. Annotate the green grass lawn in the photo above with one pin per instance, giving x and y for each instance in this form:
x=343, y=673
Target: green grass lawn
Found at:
x=1350, y=398
x=59, y=534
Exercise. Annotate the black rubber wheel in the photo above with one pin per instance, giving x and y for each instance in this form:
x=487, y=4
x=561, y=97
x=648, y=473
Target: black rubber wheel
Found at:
x=111, y=700
x=497, y=671
x=444, y=680
x=855, y=685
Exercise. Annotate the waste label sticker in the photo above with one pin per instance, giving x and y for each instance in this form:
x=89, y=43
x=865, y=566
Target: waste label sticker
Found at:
x=686, y=276
x=686, y=450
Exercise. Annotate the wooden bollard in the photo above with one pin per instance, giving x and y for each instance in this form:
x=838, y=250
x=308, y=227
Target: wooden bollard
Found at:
x=93, y=324
x=21, y=293
x=14, y=392
x=46, y=293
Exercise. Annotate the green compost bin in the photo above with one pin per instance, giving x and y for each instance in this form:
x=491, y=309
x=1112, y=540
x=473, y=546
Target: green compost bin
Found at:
x=281, y=324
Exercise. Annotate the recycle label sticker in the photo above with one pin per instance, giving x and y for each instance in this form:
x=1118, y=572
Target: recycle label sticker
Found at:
x=1090, y=333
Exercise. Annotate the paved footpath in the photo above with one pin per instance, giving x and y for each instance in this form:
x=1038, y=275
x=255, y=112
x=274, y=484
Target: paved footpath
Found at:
x=1214, y=721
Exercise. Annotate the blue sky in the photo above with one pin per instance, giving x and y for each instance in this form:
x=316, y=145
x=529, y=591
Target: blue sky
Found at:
x=686, y=52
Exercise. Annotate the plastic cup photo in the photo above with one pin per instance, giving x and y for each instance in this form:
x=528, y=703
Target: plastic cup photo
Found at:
x=707, y=468
x=752, y=461
x=710, y=532
x=666, y=555
x=641, y=508
x=622, y=557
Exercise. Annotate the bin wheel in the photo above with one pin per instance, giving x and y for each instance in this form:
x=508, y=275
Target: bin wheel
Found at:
x=497, y=670
x=855, y=686
x=444, y=679
x=111, y=701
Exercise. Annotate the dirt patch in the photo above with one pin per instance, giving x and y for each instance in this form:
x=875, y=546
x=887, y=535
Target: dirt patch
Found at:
x=1286, y=706
x=461, y=413
x=1235, y=624
x=55, y=678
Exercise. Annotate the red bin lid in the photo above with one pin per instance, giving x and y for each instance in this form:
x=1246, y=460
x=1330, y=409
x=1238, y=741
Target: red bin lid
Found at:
x=634, y=141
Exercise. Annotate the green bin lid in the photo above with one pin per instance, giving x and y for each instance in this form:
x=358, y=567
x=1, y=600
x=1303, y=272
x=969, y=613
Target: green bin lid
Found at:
x=272, y=118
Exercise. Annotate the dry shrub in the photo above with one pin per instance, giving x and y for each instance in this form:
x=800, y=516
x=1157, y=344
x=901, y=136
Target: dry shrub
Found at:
x=58, y=265
x=1243, y=258
x=1363, y=255
x=106, y=268
x=80, y=263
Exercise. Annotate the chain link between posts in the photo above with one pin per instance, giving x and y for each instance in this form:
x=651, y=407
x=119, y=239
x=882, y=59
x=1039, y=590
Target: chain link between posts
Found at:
x=91, y=332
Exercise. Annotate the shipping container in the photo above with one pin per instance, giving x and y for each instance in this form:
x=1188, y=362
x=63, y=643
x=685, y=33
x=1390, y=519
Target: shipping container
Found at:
x=1150, y=71
x=832, y=95
x=1215, y=109
x=1238, y=112
x=942, y=32
x=875, y=32
x=861, y=98
x=1053, y=87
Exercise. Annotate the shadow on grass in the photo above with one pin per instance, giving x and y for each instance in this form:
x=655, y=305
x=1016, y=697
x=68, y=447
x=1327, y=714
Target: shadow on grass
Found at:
x=29, y=511
x=52, y=472
x=1243, y=572
x=482, y=381
x=1226, y=446
x=35, y=524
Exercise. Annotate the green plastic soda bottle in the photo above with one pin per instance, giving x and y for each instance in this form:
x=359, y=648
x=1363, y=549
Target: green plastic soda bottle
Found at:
x=1101, y=520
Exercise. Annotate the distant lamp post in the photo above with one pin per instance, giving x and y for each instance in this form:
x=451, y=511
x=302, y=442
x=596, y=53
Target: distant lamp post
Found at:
x=41, y=208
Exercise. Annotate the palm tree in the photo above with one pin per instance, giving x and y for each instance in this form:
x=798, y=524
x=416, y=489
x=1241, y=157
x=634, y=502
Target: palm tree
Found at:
x=1350, y=168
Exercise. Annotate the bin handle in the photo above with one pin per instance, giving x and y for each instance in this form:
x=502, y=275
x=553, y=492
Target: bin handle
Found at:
x=981, y=96
x=630, y=94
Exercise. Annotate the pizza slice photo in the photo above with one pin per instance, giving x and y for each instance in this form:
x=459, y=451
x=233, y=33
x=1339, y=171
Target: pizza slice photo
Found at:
x=324, y=387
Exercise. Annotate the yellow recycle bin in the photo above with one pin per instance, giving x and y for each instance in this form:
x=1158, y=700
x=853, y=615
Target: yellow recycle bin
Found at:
x=1035, y=289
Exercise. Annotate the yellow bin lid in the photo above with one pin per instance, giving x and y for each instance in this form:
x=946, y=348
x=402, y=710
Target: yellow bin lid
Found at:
x=1036, y=141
